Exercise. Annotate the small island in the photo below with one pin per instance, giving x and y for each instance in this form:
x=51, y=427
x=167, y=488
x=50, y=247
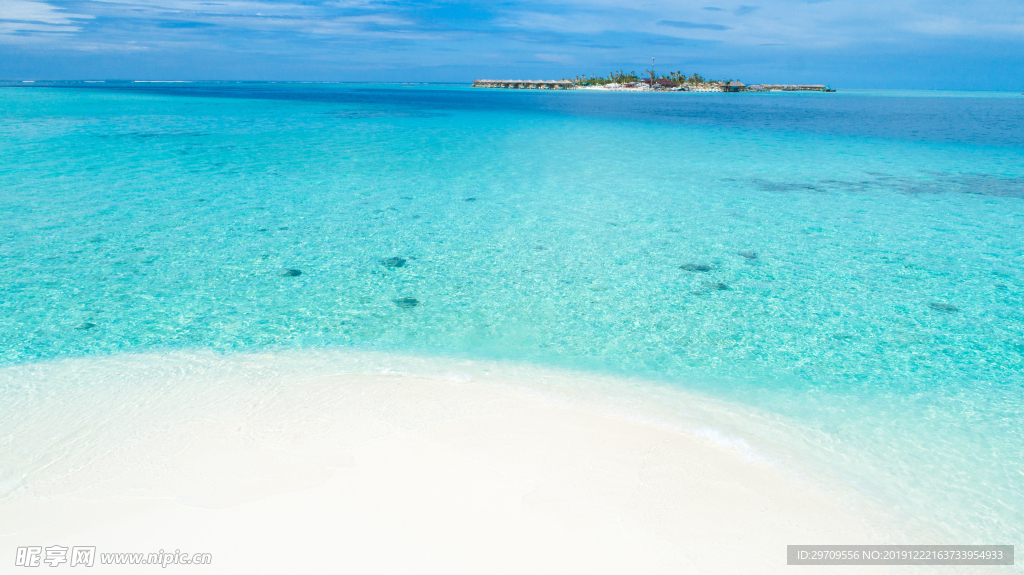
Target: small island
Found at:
x=631, y=82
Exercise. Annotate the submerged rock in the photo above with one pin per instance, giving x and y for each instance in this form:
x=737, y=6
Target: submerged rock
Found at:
x=943, y=307
x=291, y=272
x=749, y=255
x=710, y=287
x=86, y=325
x=407, y=302
x=393, y=262
x=695, y=267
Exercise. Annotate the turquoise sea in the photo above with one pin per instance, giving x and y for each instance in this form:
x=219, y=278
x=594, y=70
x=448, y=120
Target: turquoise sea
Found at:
x=852, y=262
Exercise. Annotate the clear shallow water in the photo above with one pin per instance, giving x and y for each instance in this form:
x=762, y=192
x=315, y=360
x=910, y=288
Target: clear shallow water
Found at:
x=882, y=312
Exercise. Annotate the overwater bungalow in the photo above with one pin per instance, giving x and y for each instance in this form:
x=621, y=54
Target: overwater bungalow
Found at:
x=524, y=84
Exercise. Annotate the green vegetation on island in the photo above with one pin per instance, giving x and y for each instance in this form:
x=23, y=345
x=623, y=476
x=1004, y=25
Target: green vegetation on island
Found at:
x=621, y=77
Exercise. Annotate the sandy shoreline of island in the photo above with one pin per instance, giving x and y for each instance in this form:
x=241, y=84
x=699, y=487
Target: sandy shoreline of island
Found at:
x=277, y=463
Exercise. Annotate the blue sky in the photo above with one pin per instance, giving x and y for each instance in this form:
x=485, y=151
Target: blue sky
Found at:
x=847, y=43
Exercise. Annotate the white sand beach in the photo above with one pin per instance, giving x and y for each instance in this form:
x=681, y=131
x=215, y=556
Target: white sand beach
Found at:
x=308, y=464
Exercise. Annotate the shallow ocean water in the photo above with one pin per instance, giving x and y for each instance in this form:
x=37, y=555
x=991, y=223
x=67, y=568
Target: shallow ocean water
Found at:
x=851, y=262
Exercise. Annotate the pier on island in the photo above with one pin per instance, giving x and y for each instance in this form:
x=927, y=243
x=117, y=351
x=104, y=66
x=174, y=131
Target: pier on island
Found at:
x=525, y=84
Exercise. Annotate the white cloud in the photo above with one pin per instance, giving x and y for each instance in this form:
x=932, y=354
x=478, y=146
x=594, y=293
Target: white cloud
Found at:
x=272, y=24
x=26, y=17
